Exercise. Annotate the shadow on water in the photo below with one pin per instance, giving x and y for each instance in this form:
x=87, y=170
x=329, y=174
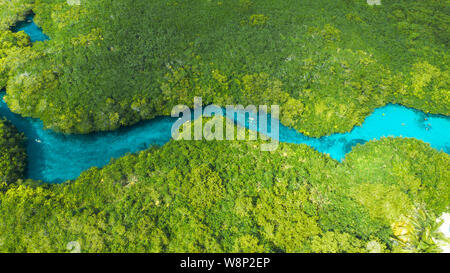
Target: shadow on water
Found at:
x=352, y=143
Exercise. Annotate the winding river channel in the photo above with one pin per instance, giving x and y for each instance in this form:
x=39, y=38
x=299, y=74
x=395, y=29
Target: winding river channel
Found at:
x=55, y=157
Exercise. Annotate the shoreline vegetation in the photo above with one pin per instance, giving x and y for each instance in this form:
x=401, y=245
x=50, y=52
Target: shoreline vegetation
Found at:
x=210, y=196
x=56, y=157
x=326, y=75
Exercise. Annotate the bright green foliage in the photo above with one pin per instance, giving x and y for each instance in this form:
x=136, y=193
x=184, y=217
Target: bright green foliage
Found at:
x=427, y=85
x=12, y=48
x=12, y=11
x=332, y=242
x=203, y=188
x=12, y=45
x=384, y=203
x=339, y=88
x=247, y=244
x=283, y=217
x=258, y=19
x=218, y=196
x=417, y=176
x=13, y=156
x=328, y=64
x=419, y=234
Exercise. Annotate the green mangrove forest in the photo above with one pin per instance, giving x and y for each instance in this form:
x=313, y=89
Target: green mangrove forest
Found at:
x=328, y=64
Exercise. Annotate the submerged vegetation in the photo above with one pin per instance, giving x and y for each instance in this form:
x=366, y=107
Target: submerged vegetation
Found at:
x=328, y=64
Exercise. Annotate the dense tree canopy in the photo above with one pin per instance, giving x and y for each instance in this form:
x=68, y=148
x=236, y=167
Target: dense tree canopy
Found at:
x=12, y=11
x=13, y=156
x=112, y=63
x=327, y=63
x=215, y=196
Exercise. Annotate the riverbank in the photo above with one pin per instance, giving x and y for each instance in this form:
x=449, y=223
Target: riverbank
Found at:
x=56, y=157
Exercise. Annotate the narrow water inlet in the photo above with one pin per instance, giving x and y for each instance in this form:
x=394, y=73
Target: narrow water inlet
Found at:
x=30, y=28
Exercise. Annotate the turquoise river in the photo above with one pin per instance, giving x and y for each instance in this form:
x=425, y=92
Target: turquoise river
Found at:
x=55, y=157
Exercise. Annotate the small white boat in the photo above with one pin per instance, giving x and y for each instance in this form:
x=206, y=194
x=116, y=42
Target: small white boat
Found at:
x=38, y=140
